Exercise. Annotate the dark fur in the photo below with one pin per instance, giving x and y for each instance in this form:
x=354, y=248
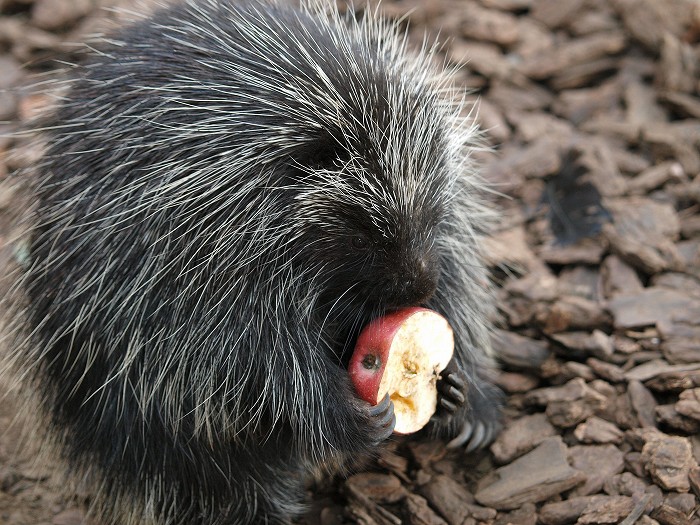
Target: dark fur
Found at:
x=188, y=333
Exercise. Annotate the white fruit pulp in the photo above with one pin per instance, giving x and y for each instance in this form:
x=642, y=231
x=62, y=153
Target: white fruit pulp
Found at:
x=420, y=350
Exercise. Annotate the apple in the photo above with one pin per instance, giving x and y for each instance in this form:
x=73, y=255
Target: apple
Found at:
x=402, y=354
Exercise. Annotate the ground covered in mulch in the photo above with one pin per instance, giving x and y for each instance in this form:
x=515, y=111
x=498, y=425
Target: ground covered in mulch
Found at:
x=592, y=110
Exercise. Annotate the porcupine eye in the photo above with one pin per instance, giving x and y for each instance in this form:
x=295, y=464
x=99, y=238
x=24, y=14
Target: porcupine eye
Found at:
x=360, y=242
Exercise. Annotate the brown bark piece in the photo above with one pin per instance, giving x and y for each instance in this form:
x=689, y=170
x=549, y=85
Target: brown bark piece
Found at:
x=534, y=477
x=573, y=52
x=682, y=349
x=554, y=13
x=362, y=506
x=486, y=59
x=667, y=515
x=598, y=462
x=530, y=125
x=570, y=404
x=607, y=371
x=585, y=251
x=453, y=501
x=675, y=382
x=668, y=416
x=655, y=177
x=596, y=430
x=394, y=463
x=525, y=515
x=688, y=105
x=641, y=103
x=514, y=382
x=538, y=159
x=584, y=74
x=679, y=66
x=382, y=488
x=508, y=5
x=648, y=307
x=510, y=247
x=572, y=312
x=647, y=20
x=428, y=452
x=568, y=511
x=581, y=105
x=59, y=14
x=689, y=403
x=629, y=161
x=521, y=436
x=674, y=143
x=488, y=25
x=519, y=351
x=593, y=21
x=694, y=478
x=643, y=403
x=658, y=367
x=625, y=484
x=611, y=510
x=492, y=121
x=526, y=97
x=668, y=459
x=597, y=343
x=420, y=513
x=642, y=233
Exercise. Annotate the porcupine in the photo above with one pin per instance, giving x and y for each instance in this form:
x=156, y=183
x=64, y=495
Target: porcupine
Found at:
x=231, y=191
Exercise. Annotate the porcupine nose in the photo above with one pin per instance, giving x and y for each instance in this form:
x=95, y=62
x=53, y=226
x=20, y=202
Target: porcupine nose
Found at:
x=419, y=281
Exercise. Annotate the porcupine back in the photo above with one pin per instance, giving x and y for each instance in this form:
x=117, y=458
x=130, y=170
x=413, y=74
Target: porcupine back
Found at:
x=203, y=250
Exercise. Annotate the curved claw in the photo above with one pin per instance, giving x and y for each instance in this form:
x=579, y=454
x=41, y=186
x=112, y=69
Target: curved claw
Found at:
x=462, y=437
x=455, y=380
x=477, y=440
x=384, y=419
x=381, y=407
x=452, y=392
x=448, y=405
x=387, y=417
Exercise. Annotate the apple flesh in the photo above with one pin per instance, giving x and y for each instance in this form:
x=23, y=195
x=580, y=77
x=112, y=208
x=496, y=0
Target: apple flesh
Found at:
x=402, y=354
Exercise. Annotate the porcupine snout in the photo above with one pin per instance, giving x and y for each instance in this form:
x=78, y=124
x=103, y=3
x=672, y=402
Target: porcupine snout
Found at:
x=416, y=280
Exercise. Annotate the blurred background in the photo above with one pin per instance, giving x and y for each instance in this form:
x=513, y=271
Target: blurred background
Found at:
x=591, y=126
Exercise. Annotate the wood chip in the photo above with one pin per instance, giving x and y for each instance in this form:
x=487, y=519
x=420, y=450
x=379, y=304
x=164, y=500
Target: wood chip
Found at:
x=420, y=513
x=579, y=51
x=596, y=430
x=643, y=403
x=598, y=462
x=611, y=510
x=534, y=477
x=521, y=436
x=689, y=403
x=668, y=459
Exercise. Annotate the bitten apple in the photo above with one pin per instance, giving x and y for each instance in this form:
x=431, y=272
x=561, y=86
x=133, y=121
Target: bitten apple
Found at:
x=402, y=354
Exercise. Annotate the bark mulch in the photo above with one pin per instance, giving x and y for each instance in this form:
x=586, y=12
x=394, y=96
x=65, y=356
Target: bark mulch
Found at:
x=592, y=112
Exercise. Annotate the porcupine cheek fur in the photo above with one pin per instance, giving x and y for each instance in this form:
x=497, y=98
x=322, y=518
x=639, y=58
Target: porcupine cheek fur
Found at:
x=386, y=272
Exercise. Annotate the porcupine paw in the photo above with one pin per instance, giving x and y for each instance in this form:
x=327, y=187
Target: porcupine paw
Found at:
x=483, y=418
x=382, y=420
x=452, y=391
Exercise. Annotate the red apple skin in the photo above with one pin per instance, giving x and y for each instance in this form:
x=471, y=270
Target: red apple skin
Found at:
x=375, y=341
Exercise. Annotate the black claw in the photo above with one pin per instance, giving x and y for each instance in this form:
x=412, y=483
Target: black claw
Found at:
x=455, y=380
x=448, y=405
x=456, y=395
x=387, y=417
x=387, y=429
x=463, y=436
x=477, y=439
x=381, y=407
x=392, y=425
x=383, y=420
